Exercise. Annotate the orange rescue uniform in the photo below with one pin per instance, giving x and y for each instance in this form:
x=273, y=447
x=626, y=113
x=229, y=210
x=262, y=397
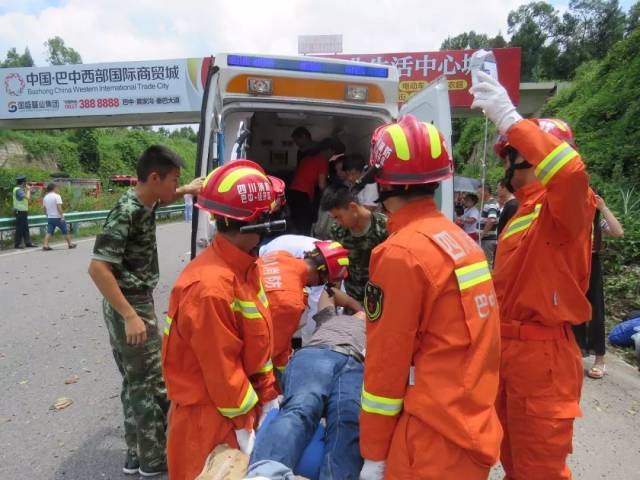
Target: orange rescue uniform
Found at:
x=541, y=276
x=216, y=355
x=284, y=277
x=433, y=344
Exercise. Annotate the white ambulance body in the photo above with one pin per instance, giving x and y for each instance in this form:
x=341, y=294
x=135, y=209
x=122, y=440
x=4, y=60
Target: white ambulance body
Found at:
x=252, y=103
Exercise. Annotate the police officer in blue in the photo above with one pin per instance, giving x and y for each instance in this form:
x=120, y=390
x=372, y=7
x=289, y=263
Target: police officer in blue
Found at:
x=21, y=197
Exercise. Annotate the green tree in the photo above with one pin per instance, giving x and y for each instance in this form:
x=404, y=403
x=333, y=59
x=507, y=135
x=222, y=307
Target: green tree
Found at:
x=633, y=18
x=473, y=40
x=88, y=149
x=14, y=59
x=597, y=25
x=59, y=54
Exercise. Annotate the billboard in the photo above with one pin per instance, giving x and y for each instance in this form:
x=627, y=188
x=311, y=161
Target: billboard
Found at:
x=102, y=89
x=418, y=69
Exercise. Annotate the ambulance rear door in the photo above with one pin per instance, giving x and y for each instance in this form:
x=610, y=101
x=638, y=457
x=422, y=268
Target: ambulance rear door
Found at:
x=208, y=154
x=432, y=105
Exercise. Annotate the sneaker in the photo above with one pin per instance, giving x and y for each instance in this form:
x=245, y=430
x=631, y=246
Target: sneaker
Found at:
x=132, y=465
x=32, y=245
x=47, y=248
x=153, y=471
x=72, y=245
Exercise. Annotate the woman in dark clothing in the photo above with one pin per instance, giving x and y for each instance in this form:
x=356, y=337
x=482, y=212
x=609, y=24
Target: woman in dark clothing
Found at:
x=591, y=334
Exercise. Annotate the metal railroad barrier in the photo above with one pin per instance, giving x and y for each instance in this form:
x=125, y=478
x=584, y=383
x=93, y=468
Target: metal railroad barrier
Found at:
x=8, y=224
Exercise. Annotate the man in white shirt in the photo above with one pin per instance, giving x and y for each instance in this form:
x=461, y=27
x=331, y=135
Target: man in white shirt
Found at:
x=52, y=204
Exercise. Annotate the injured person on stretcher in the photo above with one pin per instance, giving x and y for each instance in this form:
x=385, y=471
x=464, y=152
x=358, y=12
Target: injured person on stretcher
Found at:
x=323, y=379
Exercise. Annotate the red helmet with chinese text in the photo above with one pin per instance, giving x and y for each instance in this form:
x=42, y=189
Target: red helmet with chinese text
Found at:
x=279, y=187
x=239, y=190
x=409, y=152
x=332, y=260
x=558, y=128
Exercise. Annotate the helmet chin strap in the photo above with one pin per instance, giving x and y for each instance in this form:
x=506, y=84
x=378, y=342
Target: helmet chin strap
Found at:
x=511, y=170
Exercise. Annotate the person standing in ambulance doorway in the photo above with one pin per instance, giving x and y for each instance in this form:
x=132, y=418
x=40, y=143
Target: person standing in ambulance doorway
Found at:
x=218, y=336
x=433, y=338
x=541, y=277
x=285, y=277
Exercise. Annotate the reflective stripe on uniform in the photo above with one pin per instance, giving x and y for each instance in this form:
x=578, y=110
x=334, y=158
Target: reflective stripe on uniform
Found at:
x=473, y=274
x=281, y=368
x=521, y=223
x=389, y=407
x=248, y=402
x=434, y=140
x=399, y=141
x=246, y=309
x=553, y=162
x=263, y=296
x=267, y=367
x=167, y=324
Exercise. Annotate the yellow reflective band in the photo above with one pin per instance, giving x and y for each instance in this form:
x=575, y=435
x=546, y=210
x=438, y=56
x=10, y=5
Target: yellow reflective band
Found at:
x=553, y=162
x=167, y=324
x=559, y=125
x=246, y=309
x=473, y=274
x=388, y=407
x=267, y=367
x=344, y=261
x=249, y=401
x=231, y=179
x=434, y=140
x=263, y=296
x=333, y=245
x=206, y=180
x=399, y=141
x=282, y=368
x=522, y=223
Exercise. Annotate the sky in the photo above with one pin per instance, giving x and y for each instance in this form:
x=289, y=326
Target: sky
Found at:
x=113, y=30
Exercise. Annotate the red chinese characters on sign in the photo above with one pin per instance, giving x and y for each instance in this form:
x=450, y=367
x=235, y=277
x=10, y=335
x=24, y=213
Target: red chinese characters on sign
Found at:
x=418, y=69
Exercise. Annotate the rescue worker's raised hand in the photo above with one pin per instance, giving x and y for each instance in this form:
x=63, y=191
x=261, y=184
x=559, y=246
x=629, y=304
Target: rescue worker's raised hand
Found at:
x=266, y=408
x=135, y=329
x=372, y=470
x=245, y=439
x=494, y=101
x=194, y=187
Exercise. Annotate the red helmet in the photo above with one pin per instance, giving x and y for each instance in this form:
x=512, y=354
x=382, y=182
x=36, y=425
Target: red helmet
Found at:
x=239, y=190
x=332, y=260
x=558, y=128
x=500, y=147
x=279, y=187
x=409, y=152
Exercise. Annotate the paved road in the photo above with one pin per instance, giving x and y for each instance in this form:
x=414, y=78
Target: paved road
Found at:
x=52, y=330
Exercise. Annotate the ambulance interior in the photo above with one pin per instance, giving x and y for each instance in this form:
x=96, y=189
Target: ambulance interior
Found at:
x=265, y=136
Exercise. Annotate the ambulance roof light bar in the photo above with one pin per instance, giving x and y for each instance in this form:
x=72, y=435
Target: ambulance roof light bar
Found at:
x=307, y=66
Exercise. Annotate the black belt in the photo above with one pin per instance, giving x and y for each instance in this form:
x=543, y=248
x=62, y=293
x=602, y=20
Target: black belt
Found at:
x=347, y=350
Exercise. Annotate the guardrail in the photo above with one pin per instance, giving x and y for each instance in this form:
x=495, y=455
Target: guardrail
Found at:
x=8, y=224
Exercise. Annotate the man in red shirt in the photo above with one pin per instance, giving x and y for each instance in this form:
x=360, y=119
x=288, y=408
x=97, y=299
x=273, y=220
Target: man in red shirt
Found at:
x=311, y=173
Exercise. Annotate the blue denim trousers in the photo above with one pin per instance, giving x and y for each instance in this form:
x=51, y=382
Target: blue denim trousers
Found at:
x=317, y=382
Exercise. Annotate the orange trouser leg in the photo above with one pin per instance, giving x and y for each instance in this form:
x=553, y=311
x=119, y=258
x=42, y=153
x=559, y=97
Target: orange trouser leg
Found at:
x=418, y=452
x=194, y=431
x=537, y=402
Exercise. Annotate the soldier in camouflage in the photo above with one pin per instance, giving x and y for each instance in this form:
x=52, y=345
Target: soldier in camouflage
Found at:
x=359, y=230
x=124, y=267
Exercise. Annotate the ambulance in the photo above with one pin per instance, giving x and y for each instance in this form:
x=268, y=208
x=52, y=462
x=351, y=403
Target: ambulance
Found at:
x=252, y=103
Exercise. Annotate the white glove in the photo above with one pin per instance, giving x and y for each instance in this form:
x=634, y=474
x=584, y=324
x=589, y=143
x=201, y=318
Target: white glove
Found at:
x=266, y=408
x=372, y=470
x=246, y=439
x=494, y=101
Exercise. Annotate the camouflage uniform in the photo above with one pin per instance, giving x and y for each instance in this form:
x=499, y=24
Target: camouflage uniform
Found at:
x=360, y=246
x=128, y=243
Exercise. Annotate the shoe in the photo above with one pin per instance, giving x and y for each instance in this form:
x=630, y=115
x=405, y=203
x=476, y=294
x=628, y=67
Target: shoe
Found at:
x=597, y=371
x=132, y=464
x=153, y=471
x=32, y=245
x=18, y=247
x=72, y=245
x=47, y=248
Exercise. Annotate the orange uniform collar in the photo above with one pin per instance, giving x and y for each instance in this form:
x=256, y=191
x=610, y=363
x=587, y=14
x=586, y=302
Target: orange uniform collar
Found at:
x=238, y=260
x=411, y=211
x=530, y=190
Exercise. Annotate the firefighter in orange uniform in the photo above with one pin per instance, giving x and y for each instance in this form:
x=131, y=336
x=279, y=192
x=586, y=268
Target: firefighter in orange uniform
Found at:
x=541, y=276
x=284, y=278
x=216, y=352
x=433, y=341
